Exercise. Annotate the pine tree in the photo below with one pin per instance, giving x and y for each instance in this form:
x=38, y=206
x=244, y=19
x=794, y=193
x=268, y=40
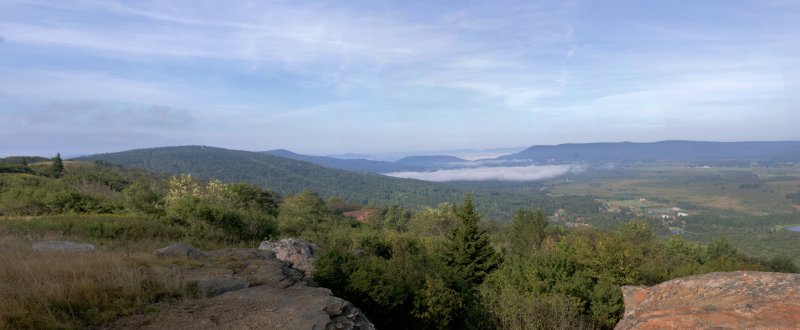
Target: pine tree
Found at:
x=57, y=168
x=469, y=251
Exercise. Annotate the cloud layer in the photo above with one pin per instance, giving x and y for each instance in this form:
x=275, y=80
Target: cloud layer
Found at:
x=516, y=173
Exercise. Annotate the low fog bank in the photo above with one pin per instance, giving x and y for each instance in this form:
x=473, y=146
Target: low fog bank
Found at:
x=504, y=173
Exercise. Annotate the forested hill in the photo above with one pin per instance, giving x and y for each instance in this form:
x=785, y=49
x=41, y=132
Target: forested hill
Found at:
x=664, y=150
x=283, y=175
x=354, y=165
x=289, y=176
x=410, y=163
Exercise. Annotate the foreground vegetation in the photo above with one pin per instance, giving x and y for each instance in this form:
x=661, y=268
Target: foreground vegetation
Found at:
x=52, y=290
x=431, y=267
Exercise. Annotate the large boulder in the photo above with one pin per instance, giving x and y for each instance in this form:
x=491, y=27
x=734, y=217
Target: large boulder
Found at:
x=63, y=246
x=298, y=253
x=180, y=250
x=737, y=300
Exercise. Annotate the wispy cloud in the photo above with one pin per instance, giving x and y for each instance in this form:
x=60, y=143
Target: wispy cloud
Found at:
x=517, y=173
x=402, y=75
x=106, y=116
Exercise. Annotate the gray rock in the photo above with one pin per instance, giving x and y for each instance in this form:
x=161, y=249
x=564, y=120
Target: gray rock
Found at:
x=298, y=253
x=340, y=322
x=63, y=246
x=217, y=286
x=259, y=307
x=180, y=250
x=335, y=306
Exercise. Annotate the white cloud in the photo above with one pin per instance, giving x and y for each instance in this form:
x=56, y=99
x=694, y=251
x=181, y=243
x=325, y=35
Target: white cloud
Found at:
x=517, y=173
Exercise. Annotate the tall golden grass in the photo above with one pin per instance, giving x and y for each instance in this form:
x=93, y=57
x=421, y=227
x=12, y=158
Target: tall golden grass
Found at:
x=75, y=290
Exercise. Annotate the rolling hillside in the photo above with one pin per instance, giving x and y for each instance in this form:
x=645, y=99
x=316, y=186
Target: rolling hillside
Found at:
x=283, y=175
x=289, y=176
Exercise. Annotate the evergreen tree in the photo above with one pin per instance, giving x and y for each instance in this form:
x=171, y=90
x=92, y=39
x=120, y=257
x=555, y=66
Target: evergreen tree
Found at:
x=527, y=232
x=57, y=168
x=469, y=251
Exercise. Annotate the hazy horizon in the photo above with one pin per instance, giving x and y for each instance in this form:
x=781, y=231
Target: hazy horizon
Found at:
x=317, y=78
x=464, y=153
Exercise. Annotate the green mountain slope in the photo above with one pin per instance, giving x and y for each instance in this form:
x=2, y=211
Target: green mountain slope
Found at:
x=283, y=175
x=353, y=165
x=289, y=176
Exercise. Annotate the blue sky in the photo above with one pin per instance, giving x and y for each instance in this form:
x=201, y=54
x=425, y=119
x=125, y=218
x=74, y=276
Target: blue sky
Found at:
x=381, y=76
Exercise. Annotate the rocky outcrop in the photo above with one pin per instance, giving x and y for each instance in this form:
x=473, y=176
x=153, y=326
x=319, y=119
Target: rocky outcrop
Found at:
x=251, y=265
x=299, y=253
x=261, y=307
x=737, y=300
x=180, y=250
x=250, y=289
x=63, y=246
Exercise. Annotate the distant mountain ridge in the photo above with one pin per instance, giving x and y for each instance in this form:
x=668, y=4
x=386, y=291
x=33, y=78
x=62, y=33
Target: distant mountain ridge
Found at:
x=354, y=165
x=670, y=151
x=410, y=163
x=432, y=162
x=663, y=151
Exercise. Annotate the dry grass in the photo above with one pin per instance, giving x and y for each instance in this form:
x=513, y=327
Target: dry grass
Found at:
x=76, y=290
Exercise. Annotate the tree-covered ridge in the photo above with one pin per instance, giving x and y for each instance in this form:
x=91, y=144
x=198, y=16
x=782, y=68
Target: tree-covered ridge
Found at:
x=353, y=165
x=19, y=164
x=283, y=175
x=288, y=176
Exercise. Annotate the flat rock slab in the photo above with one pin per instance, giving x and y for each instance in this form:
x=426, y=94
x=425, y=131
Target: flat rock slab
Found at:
x=180, y=250
x=736, y=300
x=63, y=246
x=261, y=307
x=217, y=286
x=254, y=266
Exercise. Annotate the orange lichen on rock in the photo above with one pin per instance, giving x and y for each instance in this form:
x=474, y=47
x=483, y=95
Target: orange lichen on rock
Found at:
x=737, y=300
